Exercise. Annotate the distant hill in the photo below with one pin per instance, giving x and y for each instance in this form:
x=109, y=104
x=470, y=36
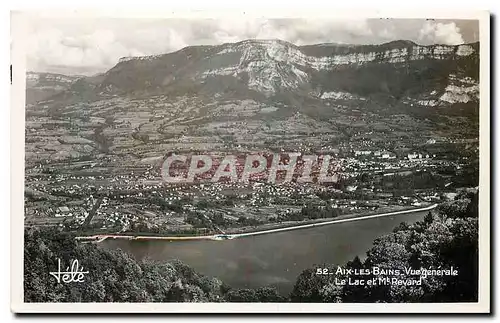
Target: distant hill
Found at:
x=40, y=86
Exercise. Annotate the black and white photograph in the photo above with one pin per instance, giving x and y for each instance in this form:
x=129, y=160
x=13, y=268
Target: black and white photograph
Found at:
x=284, y=161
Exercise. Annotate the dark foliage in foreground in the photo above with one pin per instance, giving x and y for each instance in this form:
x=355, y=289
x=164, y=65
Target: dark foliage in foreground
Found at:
x=114, y=276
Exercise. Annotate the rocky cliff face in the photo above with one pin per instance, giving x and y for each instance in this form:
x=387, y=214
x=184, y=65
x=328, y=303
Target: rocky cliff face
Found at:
x=43, y=85
x=49, y=81
x=272, y=66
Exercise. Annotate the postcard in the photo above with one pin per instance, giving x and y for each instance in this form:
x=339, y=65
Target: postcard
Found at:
x=250, y=162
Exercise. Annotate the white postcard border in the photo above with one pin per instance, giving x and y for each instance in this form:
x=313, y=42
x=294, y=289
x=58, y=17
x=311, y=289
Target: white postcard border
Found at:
x=18, y=51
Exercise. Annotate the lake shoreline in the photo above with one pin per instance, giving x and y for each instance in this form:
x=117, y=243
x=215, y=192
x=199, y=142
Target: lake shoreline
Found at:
x=233, y=235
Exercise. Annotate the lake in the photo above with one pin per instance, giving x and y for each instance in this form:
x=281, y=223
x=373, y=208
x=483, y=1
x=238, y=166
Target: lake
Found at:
x=271, y=259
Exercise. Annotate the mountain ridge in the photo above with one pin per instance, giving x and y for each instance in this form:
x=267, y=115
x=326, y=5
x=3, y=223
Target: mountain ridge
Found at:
x=268, y=66
x=401, y=42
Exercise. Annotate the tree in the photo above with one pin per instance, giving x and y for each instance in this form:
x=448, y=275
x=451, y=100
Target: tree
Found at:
x=114, y=276
x=241, y=295
x=269, y=295
x=308, y=287
x=428, y=218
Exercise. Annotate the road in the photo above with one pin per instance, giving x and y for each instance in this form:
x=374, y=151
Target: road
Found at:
x=100, y=238
x=333, y=222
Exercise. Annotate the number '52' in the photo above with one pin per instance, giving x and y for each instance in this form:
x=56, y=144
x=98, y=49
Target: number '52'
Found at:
x=322, y=271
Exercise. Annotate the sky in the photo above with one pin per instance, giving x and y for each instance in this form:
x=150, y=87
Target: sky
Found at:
x=88, y=46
